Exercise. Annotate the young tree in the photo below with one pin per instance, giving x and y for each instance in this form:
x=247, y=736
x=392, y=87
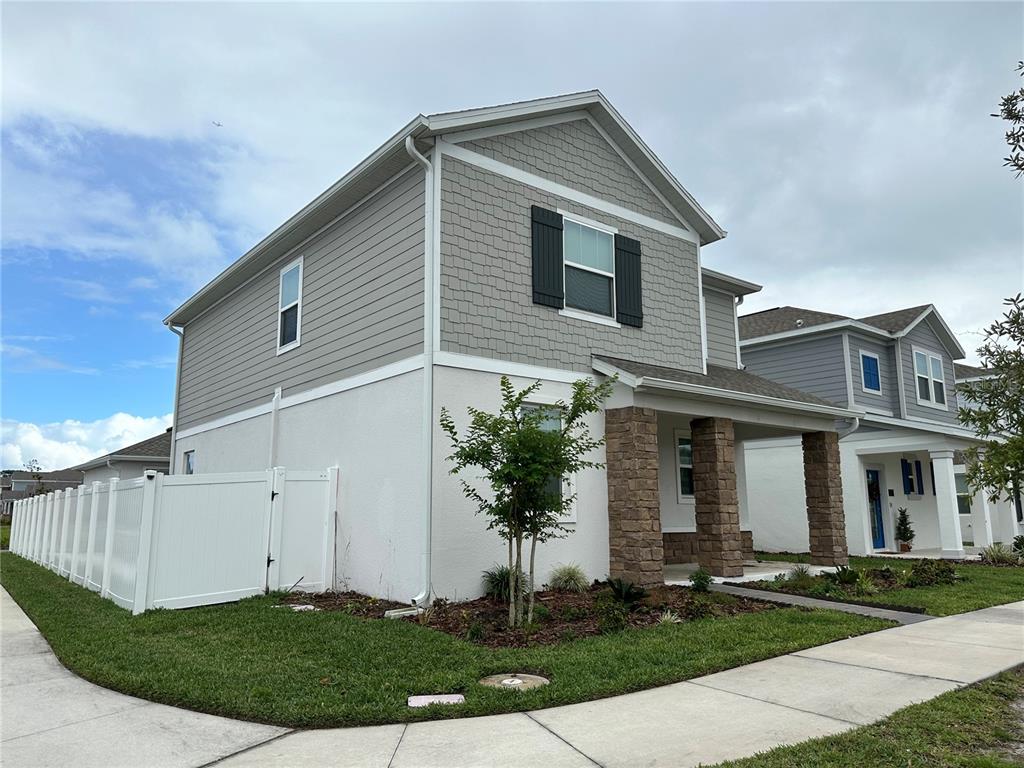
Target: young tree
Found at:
x=522, y=459
x=996, y=409
x=35, y=468
x=1011, y=109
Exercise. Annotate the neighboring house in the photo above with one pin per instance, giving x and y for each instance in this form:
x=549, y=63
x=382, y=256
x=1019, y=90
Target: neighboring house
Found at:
x=131, y=461
x=20, y=484
x=897, y=368
x=541, y=240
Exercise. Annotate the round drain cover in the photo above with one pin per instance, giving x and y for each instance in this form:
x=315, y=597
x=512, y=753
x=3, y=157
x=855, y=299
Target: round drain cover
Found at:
x=514, y=681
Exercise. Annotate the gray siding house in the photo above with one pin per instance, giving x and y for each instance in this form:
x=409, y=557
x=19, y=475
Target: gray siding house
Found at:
x=898, y=370
x=153, y=453
x=541, y=240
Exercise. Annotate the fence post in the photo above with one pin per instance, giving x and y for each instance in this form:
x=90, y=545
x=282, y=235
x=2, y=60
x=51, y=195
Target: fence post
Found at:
x=330, y=521
x=51, y=544
x=108, y=545
x=77, y=538
x=94, y=512
x=47, y=509
x=149, y=490
x=35, y=524
x=278, y=484
x=68, y=494
x=15, y=524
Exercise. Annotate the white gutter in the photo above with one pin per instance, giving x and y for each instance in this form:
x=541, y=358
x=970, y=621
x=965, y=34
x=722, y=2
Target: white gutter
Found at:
x=180, y=333
x=423, y=597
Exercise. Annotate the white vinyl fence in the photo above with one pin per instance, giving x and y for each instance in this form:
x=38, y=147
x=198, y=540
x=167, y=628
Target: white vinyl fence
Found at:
x=175, y=541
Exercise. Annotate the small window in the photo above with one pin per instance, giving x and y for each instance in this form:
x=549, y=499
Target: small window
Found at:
x=289, y=307
x=931, y=385
x=870, y=378
x=189, y=462
x=684, y=465
x=963, y=494
x=589, y=255
x=551, y=421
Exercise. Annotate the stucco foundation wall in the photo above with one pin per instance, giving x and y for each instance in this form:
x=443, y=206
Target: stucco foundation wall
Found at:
x=462, y=545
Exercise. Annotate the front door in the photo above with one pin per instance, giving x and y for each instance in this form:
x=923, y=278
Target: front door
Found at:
x=875, y=508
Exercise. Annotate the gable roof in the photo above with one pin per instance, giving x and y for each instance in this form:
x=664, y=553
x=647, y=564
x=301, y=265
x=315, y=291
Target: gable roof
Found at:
x=391, y=158
x=964, y=372
x=785, y=322
x=156, y=448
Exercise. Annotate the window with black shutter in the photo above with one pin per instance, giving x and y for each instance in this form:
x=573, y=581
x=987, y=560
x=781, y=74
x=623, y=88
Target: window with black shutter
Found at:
x=628, y=282
x=547, y=258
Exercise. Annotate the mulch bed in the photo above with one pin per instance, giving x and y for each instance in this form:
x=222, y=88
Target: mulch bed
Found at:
x=558, y=616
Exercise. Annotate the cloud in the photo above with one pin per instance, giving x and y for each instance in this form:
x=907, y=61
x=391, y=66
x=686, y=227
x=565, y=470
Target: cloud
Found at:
x=167, y=361
x=88, y=290
x=25, y=360
x=64, y=444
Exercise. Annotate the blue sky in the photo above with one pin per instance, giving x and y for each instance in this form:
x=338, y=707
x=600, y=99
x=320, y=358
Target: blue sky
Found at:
x=848, y=149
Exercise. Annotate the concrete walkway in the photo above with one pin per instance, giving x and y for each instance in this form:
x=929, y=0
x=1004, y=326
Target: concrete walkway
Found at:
x=900, y=617
x=51, y=717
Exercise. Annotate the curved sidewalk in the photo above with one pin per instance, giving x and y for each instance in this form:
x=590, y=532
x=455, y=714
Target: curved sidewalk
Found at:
x=52, y=717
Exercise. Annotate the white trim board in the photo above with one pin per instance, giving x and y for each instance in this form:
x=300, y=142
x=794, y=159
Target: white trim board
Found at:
x=529, y=124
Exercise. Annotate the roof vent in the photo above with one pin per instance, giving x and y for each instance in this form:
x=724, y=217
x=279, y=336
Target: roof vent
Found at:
x=799, y=323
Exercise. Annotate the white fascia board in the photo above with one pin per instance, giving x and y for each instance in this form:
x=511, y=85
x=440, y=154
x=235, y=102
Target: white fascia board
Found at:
x=952, y=343
x=920, y=425
x=729, y=284
x=527, y=124
x=607, y=369
x=448, y=122
x=853, y=325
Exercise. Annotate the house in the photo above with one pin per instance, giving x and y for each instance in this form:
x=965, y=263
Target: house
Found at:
x=542, y=240
x=153, y=453
x=21, y=483
x=897, y=368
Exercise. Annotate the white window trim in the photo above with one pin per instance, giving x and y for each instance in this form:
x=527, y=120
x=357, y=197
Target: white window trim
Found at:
x=568, y=483
x=681, y=498
x=863, y=385
x=297, y=303
x=930, y=403
x=184, y=462
x=582, y=314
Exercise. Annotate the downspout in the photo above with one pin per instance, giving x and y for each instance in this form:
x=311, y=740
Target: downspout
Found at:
x=854, y=424
x=736, y=325
x=422, y=599
x=180, y=333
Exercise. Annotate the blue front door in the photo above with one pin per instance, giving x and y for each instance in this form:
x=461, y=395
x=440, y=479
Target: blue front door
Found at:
x=875, y=508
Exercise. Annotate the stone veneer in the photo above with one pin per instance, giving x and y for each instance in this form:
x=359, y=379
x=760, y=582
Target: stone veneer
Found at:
x=684, y=547
x=636, y=550
x=823, y=483
x=720, y=544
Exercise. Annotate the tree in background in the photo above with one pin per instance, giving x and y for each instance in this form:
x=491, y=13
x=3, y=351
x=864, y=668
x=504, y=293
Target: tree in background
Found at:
x=996, y=408
x=523, y=454
x=1011, y=109
x=34, y=468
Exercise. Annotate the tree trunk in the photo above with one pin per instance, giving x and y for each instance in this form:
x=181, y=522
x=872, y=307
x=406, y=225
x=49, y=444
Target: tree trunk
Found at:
x=519, y=586
x=511, y=584
x=533, y=581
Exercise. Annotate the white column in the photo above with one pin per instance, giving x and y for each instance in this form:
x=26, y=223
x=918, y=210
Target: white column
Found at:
x=945, y=503
x=981, y=520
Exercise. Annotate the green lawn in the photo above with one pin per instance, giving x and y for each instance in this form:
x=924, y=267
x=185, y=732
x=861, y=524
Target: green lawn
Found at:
x=976, y=727
x=255, y=661
x=981, y=586
x=5, y=536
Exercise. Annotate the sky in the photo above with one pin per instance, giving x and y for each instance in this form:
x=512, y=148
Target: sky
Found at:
x=848, y=149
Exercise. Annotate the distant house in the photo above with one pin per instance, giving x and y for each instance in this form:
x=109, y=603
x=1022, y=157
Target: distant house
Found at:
x=131, y=461
x=21, y=483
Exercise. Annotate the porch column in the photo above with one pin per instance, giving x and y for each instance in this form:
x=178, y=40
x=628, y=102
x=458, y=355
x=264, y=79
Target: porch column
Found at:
x=719, y=541
x=635, y=546
x=823, y=486
x=945, y=503
x=981, y=519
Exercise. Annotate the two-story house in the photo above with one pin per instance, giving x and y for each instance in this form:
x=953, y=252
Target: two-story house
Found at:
x=898, y=369
x=541, y=240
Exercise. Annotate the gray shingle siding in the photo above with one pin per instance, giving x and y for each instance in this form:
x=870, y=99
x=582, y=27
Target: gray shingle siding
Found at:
x=890, y=398
x=487, y=305
x=924, y=337
x=362, y=307
x=813, y=365
x=576, y=155
x=719, y=313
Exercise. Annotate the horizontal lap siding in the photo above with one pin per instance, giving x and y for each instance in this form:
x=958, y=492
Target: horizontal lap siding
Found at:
x=889, y=399
x=362, y=307
x=816, y=366
x=487, y=304
x=924, y=338
x=719, y=313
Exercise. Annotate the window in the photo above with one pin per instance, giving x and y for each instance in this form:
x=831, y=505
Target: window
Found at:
x=931, y=383
x=684, y=465
x=189, y=462
x=870, y=377
x=913, y=477
x=289, y=307
x=963, y=494
x=551, y=421
x=589, y=255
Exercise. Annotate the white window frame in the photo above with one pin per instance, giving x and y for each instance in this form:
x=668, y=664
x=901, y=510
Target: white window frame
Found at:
x=568, y=483
x=863, y=384
x=188, y=462
x=681, y=498
x=297, y=303
x=929, y=356
x=582, y=314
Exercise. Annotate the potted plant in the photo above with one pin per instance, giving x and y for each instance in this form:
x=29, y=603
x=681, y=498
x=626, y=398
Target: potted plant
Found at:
x=904, y=531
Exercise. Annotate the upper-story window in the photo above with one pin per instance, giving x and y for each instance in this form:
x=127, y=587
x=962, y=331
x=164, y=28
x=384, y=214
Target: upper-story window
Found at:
x=289, y=315
x=589, y=255
x=931, y=382
x=871, y=379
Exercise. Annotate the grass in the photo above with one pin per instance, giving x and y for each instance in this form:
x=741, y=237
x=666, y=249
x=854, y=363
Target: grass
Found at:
x=5, y=536
x=982, y=586
x=976, y=727
x=254, y=661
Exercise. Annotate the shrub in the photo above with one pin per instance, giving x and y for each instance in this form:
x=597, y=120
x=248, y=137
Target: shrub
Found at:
x=626, y=592
x=844, y=575
x=800, y=577
x=568, y=578
x=700, y=608
x=612, y=614
x=999, y=554
x=926, y=573
x=668, y=616
x=476, y=631
x=700, y=580
x=864, y=585
x=541, y=612
x=573, y=612
x=496, y=583
x=1018, y=545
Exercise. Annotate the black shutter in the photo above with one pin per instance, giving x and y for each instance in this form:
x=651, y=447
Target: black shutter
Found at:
x=548, y=277
x=629, y=305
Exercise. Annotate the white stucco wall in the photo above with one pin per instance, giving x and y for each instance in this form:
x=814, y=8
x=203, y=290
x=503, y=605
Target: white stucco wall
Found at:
x=677, y=516
x=776, y=499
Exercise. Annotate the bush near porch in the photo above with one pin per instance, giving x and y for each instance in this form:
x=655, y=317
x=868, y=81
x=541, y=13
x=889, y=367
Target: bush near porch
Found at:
x=975, y=586
x=259, y=661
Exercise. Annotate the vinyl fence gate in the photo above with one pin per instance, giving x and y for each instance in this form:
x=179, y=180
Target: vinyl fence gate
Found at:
x=176, y=541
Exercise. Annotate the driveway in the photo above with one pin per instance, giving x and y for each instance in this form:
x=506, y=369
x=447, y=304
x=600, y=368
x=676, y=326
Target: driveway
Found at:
x=52, y=717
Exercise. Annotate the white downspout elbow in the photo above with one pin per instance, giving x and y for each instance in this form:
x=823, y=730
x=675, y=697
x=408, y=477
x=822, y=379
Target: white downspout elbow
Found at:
x=854, y=424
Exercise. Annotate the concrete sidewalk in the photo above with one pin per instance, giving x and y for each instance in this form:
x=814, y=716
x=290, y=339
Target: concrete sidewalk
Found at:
x=51, y=717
